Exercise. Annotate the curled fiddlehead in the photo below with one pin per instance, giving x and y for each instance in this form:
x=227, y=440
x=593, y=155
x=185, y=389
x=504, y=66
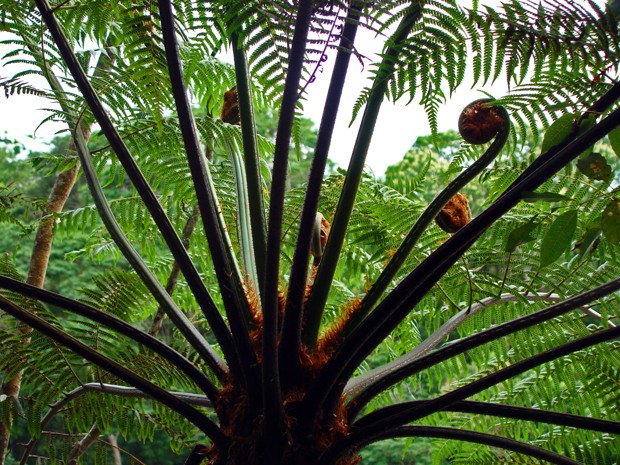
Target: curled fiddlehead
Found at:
x=454, y=215
x=479, y=122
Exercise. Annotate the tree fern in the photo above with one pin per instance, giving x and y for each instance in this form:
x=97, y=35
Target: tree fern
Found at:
x=493, y=326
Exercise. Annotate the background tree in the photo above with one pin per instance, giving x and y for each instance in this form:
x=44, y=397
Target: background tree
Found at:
x=273, y=356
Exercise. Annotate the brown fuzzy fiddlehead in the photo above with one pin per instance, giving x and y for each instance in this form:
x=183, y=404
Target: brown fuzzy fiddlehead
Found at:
x=454, y=215
x=479, y=122
x=230, y=109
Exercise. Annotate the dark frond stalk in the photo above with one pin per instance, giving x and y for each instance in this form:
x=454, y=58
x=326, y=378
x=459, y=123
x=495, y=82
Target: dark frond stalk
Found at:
x=110, y=389
x=272, y=395
x=327, y=268
x=118, y=325
x=459, y=435
x=598, y=108
x=120, y=391
x=417, y=411
x=235, y=303
x=366, y=386
x=505, y=411
x=290, y=341
x=179, y=319
x=220, y=330
x=157, y=393
x=197, y=455
x=44, y=235
x=193, y=336
x=251, y=158
x=427, y=217
x=397, y=304
x=173, y=278
x=406, y=367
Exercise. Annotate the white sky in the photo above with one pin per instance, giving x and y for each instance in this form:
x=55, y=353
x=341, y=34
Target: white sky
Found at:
x=398, y=124
x=397, y=128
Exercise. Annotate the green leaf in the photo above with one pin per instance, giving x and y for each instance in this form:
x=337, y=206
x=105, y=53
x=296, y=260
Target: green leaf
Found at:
x=589, y=240
x=558, y=237
x=594, y=166
x=585, y=124
x=520, y=235
x=558, y=131
x=614, y=140
x=610, y=222
x=532, y=197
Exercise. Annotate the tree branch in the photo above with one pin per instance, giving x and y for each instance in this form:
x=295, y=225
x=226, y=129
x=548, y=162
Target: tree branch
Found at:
x=80, y=447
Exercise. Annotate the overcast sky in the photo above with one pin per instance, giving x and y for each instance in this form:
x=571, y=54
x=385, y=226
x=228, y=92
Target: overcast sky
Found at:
x=397, y=128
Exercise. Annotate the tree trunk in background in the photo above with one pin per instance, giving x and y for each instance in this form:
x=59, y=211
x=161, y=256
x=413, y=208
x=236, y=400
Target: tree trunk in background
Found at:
x=38, y=266
x=116, y=453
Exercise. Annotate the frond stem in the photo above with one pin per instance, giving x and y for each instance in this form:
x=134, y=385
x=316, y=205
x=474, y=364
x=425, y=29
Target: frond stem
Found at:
x=163, y=298
x=416, y=411
x=157, y=393
x=455, y=434
x=112, y=389
x=251, y=159
x=395, y=263
x=505, y=411
x=152, y=283
x=199, y=290
x=327, y=268
x=368, y=385
x=235, y=303
x=397, y=304
x=122, y=327
x=290, y=343
x=274, y=413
